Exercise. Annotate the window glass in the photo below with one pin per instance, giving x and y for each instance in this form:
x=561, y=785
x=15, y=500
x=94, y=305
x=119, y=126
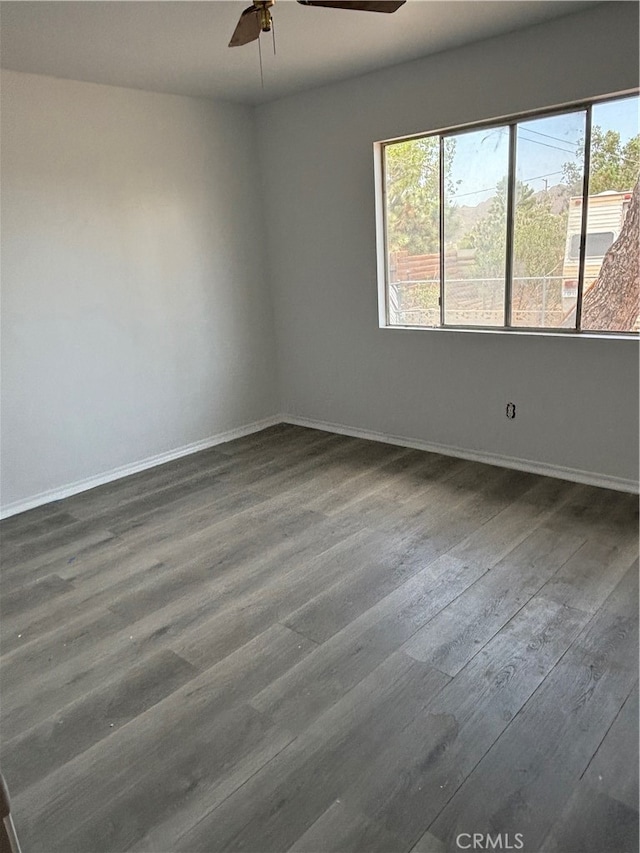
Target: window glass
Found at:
x=598, y=243
x=412, y=181
x=546, y=218
x=611, y=276
x=476, y=166
x=484, y=226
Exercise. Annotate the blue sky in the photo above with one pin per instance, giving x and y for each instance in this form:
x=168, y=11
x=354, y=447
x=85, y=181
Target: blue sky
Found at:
x=544, y=145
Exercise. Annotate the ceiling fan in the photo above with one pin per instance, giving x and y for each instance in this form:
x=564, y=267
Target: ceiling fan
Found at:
x=257, y=17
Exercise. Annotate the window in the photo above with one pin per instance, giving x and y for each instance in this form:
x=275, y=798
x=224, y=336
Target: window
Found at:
x=532, y=223
x=598, y=244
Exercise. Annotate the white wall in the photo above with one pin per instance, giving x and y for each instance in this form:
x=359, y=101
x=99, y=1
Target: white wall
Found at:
x=577, y=400
x=135, y=314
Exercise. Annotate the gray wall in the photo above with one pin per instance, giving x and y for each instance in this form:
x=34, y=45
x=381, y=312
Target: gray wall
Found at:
x=135, y=313
x=577, y=400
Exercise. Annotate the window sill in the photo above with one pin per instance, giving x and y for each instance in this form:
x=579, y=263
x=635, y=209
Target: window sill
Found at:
x=545, y=333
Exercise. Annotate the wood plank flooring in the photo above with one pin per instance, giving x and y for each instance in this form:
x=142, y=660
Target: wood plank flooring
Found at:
x=306, y=642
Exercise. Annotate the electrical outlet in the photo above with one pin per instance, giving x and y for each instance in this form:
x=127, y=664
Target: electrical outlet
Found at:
x=511, y=411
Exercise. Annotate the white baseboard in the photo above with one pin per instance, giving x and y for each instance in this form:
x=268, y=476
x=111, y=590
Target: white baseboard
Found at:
x=575, y=475
x=126, y=470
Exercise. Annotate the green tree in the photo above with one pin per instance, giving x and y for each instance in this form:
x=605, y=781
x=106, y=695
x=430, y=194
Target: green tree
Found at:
x=614, y=166
x=413, y=192
x=488, y=236
x=538, y=239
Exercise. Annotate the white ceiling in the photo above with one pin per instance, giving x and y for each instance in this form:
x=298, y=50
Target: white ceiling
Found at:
x=181, y=47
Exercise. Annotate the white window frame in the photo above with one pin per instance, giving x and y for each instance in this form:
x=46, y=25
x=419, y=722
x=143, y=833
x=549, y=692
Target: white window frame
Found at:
x=511, y=122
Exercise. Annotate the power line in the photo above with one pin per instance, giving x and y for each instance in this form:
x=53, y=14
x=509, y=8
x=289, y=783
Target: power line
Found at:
x=547, y=145
x=546, y=135
x=522, y=180
x=620, y=157
x=537, y=177
x=556, y=147
x=537, y=141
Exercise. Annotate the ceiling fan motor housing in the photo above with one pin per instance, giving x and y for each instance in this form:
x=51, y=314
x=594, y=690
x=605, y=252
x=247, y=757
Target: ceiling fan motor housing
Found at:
x=264, y=15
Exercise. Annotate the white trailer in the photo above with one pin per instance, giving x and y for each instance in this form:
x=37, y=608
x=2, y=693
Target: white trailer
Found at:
x=605, y=215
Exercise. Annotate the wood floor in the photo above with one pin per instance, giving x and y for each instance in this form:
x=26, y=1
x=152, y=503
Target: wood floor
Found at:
x=308, y=642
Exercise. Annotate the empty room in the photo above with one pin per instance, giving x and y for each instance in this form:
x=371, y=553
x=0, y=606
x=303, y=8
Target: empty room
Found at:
x=319, y=446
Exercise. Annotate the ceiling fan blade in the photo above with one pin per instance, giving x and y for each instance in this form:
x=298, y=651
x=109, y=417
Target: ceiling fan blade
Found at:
x=364, y=6
x=247, y=28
